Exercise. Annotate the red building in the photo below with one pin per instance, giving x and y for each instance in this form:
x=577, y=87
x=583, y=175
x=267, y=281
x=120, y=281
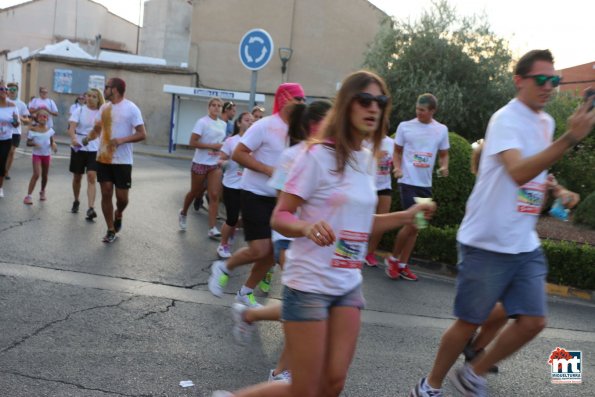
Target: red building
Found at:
x=577, y=78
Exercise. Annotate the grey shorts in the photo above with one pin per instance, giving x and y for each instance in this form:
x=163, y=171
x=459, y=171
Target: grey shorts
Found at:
x=486, y=277
x=308, y=306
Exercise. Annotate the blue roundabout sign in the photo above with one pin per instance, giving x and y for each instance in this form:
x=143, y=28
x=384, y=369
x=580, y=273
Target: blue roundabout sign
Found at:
x=256, y=49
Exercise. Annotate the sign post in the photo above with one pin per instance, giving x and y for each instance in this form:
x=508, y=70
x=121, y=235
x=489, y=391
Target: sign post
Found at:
x=256, y=49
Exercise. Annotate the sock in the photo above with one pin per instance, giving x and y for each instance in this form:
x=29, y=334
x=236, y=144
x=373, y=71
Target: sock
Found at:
x=392, y=258
x=402, y=265
x=426, y=387
x=245, y=290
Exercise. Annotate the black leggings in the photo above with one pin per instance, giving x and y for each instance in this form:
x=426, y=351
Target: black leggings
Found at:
x=231, y=199
x=4, y=150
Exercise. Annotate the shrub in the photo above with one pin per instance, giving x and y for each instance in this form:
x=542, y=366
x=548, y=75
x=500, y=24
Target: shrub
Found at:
x=585, y=213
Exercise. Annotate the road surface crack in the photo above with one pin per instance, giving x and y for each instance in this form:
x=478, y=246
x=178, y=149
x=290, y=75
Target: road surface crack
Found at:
x=19, y=224
x=172, y=304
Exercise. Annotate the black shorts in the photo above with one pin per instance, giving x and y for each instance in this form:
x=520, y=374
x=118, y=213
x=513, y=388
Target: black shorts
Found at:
x=81, y=160
x=408, y=192
x=256, y=215
x=384, y=192
x=16, y=140
x=232, y=199
x=119, y=174
x=4, y=150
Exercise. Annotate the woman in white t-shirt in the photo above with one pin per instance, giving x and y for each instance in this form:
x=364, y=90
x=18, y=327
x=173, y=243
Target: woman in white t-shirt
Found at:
x=84, y=158
x=9, y=122
x=232, y=178
x=207, y=137
x=41, y=138
x=332, y=186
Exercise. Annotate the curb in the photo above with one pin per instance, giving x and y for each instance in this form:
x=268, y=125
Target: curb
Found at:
x=450, y=271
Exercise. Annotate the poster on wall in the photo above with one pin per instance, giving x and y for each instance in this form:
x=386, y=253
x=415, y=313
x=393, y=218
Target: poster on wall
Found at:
x=97, y=81
x=63, y=81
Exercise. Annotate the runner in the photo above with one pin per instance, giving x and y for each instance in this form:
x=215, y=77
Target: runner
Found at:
x=41, y=138
x=13, y=95
x=9, y=122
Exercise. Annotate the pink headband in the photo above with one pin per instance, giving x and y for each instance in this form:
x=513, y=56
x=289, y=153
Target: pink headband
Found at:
x=285, y=93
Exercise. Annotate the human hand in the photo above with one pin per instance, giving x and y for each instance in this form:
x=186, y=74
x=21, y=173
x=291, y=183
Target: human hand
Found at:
x=443, y=171
x=569, y=199
x=580, y=123
x=321, y=233
x=55, y=147
x=397, y=173
x=114, y=143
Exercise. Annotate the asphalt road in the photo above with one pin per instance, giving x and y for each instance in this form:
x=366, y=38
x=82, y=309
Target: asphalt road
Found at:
x=134, y=318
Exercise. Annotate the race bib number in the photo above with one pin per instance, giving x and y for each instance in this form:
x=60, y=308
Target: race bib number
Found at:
x=422, y=159
x=350, y=250
x=530, y=198
x=384, y=164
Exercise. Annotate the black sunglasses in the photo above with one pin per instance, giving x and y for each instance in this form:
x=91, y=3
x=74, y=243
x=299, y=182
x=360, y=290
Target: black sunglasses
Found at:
x=541, y=79
x=365, y=100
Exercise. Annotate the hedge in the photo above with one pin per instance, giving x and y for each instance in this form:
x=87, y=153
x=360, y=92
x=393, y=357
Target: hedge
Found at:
x=570, y=263
x=585, y=213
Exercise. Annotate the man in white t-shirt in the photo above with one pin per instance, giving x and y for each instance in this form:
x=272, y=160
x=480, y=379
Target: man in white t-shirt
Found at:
x=500, y=255
x=417, y=144
x=13, y=94
x=258, y=152
x=228, y=114
x=44, y=102
x=119, y=123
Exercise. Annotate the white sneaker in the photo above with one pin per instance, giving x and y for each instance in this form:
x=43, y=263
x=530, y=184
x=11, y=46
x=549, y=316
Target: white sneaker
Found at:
x=242, y=331
x=1, y=192
x=223, y=251
x=182, y=220
x=214, y=232
x=284, y=376
x=249, y=299
x=218, y=279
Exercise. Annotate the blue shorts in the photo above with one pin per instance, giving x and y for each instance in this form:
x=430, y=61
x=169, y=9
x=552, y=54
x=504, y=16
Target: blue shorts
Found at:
x=278, y=246
x=308, y=306
x=408, y=192
x=486, y=277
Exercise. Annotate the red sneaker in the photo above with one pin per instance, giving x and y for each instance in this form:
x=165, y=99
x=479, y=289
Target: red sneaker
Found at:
x=392, y=268
x=370, y=260
x=407, y=274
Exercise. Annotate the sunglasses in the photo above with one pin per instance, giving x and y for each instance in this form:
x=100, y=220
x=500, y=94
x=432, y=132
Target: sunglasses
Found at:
x=541, y=79
x=300, y=98
x=3, y=89
x=365, y=100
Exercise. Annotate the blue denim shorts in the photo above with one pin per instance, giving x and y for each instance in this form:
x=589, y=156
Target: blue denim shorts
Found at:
x=486, y=277
x=307, y=306
x=278, y=246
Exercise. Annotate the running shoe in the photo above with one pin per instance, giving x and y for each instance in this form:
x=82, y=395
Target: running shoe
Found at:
x=470, y=354
x=117, y=221
x=75, y=206
x=2, y=191
x=42, y=195
x=182, y=220
x=265, y=284
x=110, y=237
x=370, y=260
x=249, y=299
x=221, y=393
x=242, y=331
x=284, y=376
x=223, y=251
x=392, y=268
x=407, y=274
x=468, y=383
x=91, y=214
x=214, y=233
x=28, y=200
x=422, y=389
x=218, y=279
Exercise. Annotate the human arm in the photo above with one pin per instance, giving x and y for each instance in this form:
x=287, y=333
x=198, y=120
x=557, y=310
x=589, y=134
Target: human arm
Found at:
x=386, y=222
x=72, y=133
x=569, y=199
x=53, y=144
x=140, y=134
x=397, y=161
x=443, y=162
x=523, y=170
x=242, y=156
x=197, y=144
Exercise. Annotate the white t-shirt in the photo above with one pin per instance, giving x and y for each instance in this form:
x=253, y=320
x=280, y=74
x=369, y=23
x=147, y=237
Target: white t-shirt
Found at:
x=266, y=139
x=347, y=203
x=420, y=143
x=85, y=121
x=232, y=175
x=23, y=111
x=73, y=108
x=210, y=131
x=6, y=119
x=500, y=215
x=124, y=117
x=42, y=139
x=385, y=163
x=47, y=103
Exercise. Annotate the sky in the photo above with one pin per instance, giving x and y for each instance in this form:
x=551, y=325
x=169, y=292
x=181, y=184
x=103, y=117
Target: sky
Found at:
x=566, y=28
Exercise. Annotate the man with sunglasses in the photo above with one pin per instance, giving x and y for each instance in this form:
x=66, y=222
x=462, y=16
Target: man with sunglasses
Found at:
x=44, y=102
x=417, y=143
x=500, y=255
x=13, y=95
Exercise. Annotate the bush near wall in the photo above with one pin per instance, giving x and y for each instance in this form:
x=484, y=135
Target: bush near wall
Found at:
x=585, y=213
x=570, y=263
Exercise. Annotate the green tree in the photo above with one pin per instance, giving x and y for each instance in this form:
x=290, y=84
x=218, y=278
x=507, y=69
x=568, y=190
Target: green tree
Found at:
x=458, y=59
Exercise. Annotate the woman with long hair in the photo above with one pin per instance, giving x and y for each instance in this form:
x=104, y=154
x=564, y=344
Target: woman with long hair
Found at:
x=9, y=122
x=327, y=206
x=83, y=157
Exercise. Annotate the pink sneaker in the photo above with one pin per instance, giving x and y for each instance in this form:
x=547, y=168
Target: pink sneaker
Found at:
x=42, y=195
x=28, y=200
x=392, y=268
x=370, y=260
x=407, y=274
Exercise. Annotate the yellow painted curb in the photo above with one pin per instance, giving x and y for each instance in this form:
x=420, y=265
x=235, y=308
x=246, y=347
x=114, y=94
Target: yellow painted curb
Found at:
x=564, y=291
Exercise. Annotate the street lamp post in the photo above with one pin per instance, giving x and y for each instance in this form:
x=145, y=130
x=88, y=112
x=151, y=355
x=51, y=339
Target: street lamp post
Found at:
x=285, y=55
